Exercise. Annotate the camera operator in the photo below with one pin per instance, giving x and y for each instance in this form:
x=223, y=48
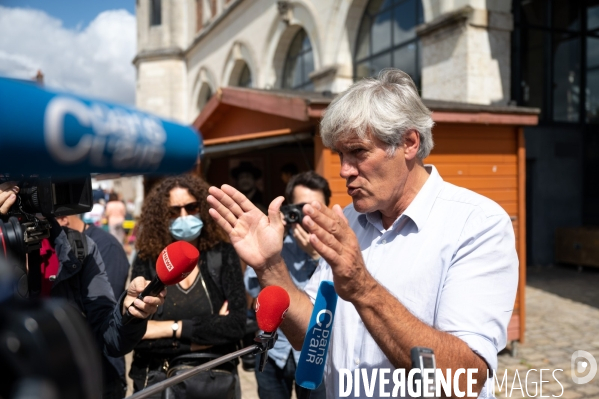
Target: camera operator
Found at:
x=277, y=379
x=117, y=270
x=85, y=285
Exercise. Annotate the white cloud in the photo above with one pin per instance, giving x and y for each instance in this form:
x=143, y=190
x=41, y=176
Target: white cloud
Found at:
x=94, y=62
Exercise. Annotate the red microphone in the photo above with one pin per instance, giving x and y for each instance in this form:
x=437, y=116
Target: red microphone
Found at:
x=175, y=262
x=271, y=306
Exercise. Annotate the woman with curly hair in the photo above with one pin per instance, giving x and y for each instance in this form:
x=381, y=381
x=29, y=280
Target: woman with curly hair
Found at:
x=206, y=311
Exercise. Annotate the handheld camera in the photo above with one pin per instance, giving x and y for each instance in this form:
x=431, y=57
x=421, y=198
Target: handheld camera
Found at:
x=293, y=213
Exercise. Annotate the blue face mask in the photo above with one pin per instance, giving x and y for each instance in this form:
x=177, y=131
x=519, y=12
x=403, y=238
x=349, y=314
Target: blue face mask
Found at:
x=186, y=228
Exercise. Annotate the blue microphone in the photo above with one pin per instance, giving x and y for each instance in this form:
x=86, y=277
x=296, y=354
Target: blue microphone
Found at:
x=53, y=133
x=310, y=367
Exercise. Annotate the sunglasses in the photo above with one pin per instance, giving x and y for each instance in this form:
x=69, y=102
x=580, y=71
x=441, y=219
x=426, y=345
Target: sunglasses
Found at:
x=192, y=208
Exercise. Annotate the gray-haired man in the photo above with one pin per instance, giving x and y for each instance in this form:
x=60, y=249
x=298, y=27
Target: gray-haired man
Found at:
x=416, y=261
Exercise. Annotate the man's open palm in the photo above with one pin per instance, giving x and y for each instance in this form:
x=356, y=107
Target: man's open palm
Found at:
x=257, y=238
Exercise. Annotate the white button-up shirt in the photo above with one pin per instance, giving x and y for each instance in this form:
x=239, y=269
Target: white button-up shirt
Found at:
x=450, y=259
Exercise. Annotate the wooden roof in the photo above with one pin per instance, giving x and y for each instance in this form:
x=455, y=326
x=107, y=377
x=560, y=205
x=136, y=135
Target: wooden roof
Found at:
x=235, y=113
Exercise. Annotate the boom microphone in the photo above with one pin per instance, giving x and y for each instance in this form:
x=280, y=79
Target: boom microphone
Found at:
x=53, y=133
x=271, y=307
x=175, y=262
x=310, y=367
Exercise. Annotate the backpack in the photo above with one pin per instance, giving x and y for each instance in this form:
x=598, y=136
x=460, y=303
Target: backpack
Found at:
x=79, y=247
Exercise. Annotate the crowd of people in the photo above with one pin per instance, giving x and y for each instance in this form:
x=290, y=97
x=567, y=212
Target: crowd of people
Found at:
x=109, y=212
x=415, y=260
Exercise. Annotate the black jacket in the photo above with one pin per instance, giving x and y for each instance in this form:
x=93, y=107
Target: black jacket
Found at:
x=85, y=285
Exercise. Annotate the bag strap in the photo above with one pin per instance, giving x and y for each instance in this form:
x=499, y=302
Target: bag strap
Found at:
x=192, y=356
x=78, y=243
x=197, y=356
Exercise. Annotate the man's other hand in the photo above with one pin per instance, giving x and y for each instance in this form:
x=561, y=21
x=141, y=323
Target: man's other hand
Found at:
x=147, y=307
x=334, y=239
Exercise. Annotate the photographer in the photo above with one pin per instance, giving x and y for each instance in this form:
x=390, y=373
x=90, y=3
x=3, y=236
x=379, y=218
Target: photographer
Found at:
x=85, y=285
x=277, y=379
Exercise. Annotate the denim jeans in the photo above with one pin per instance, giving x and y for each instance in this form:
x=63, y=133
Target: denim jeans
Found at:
x=277, y=383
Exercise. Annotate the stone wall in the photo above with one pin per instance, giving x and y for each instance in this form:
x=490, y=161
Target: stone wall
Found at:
x=161, y=85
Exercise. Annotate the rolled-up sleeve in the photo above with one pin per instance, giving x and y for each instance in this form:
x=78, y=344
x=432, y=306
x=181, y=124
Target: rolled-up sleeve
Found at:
x=478, y=294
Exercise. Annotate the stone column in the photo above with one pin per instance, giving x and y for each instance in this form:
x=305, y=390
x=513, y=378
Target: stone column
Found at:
x=160, y=62
x=466, y=56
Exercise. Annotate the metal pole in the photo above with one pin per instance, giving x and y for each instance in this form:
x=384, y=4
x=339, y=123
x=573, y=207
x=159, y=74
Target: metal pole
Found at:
x=152, y=389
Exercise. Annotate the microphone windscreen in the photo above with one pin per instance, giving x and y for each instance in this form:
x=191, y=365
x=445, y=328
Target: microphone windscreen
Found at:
x=176, y=262
x=271, y=306
x=63, y=134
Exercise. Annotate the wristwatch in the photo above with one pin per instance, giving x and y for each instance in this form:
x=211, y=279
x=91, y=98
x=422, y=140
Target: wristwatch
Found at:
x=175, y=327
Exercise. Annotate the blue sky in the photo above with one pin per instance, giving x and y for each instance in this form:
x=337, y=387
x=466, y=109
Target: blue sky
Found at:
x=73, y=13
x=81, y=46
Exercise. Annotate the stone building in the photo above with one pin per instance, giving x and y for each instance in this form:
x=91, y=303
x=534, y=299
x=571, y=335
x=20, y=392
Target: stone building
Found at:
x=485, y=53
x=187, y=49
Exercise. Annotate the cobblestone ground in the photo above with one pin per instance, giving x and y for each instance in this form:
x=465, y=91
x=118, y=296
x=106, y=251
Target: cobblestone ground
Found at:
x=555, y=328
x=249, y=388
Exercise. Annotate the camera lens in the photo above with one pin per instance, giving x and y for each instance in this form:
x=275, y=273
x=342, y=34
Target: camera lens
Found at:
x=12, y=237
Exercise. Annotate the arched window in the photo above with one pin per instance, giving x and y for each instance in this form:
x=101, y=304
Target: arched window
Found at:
x=155, y=13
x=299, y=63
x=387, y=38
x=245, y=77
x=204, y=96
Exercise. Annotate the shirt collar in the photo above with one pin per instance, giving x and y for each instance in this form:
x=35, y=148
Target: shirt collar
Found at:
x=421, y=205
x=419, y=208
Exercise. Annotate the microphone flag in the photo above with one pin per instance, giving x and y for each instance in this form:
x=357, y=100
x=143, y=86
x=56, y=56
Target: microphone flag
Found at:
x=173, y=265
x=310, y=368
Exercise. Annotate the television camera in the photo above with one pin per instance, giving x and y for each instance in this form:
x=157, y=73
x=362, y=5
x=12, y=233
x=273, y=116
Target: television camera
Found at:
x=25, y=224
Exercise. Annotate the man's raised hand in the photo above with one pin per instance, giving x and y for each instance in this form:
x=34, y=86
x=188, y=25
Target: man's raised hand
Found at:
x=257, y=238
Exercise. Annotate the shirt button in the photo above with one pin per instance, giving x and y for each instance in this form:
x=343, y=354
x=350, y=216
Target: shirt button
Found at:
x=384, y=241
x=357, y=361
